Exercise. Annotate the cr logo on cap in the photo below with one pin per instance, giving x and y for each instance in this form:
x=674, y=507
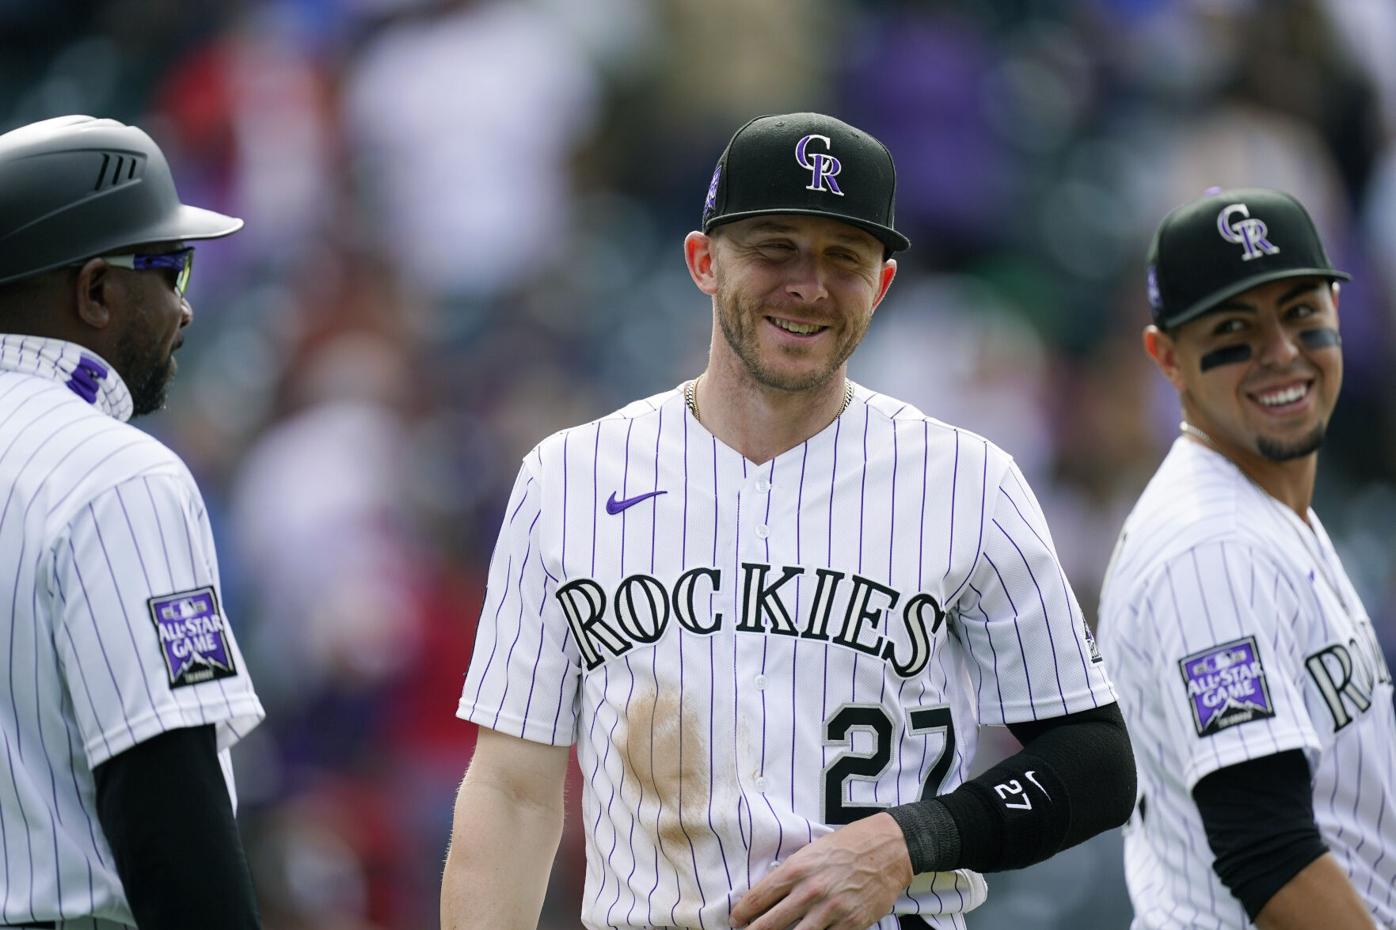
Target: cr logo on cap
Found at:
x=1248, y=233
x=823, y=167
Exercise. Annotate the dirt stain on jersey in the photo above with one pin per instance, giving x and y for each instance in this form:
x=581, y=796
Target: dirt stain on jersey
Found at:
x=665, y=753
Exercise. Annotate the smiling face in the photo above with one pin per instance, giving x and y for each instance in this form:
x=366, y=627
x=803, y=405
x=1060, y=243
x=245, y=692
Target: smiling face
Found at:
x=1260, y=374
x=794, y=295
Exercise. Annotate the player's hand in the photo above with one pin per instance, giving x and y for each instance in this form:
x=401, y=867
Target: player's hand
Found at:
x=845, y=880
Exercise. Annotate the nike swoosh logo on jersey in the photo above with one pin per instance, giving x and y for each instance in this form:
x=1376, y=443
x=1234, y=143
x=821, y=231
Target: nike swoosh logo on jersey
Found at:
x=614, y=506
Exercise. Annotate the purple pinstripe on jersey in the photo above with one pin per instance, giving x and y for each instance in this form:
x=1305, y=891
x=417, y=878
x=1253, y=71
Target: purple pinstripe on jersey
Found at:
x=746, y=837
x=795, y=646
x=55, y=811
x=712, y=689
x=1061, y=576
x=96, y=627
x=116, y=586
x=1017, y=632
x=983, y=501
x=1061, y=692
x=518, y=632
x=993, y=651
x=5, y=840
x=508, y=573
x=533, y=678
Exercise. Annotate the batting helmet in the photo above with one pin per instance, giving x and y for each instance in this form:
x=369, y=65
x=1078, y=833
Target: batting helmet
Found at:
x=74, y=187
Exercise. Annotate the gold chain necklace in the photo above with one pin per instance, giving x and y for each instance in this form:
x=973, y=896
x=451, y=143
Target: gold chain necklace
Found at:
x=690, y=397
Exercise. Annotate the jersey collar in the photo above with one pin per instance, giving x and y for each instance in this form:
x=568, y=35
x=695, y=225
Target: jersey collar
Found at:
x=81, y=370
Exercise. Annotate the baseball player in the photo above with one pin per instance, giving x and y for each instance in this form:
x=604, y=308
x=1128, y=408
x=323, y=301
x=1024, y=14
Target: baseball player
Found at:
x=122, y=684
x=770, y=607
x=1252, y=680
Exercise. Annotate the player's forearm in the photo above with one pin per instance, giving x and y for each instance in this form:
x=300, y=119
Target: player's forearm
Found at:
x=1074, y=778
x=164, y=807
x=502, y=849
x=1319, y=896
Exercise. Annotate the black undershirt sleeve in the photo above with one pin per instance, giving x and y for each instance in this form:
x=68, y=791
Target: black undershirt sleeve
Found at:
x=1259, y=818
x=165, y=810
x=1073, y=779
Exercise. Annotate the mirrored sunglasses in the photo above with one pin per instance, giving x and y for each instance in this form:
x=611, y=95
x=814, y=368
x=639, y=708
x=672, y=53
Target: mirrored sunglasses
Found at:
x=180, y=261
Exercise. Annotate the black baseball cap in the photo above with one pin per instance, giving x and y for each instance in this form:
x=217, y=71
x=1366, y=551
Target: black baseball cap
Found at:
x=1226, y=242
x=806, y=163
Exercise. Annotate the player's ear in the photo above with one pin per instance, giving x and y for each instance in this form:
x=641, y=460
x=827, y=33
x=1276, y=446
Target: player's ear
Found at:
x=889, y=271
x=698, y=251
x=1160, y=347
x=94, y=290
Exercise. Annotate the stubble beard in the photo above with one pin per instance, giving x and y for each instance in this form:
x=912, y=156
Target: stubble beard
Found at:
x=1277, y=451
x=147, y=376
x=740, y=320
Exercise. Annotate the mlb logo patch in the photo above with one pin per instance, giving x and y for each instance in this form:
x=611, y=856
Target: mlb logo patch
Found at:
x=1226, y=686
x=193, y=637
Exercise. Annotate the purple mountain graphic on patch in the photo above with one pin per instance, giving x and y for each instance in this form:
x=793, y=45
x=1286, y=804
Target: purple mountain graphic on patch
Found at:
x=1226, y=686
x=614, y=506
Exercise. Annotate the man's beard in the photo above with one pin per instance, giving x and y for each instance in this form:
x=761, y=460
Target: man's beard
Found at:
x=1284, y=452
x=147, y=376
x=739, y=322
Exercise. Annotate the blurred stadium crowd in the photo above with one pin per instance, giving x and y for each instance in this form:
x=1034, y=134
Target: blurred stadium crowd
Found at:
x=463, y=232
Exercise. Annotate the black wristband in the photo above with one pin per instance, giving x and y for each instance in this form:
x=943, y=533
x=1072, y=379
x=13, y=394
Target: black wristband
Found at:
x=932, y=837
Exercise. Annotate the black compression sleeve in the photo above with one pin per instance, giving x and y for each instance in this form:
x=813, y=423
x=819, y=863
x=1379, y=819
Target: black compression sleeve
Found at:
x=1259, y=817
x=1073, y=778
x=165, y=810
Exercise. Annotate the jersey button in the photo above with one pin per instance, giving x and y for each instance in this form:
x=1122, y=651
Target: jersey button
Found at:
x=761, y=682
x=761, y=531
x=763, y=484
x=762, y=783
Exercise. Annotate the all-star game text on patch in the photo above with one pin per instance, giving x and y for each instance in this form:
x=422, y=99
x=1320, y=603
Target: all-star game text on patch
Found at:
x=193, y=637
x=1226, y=686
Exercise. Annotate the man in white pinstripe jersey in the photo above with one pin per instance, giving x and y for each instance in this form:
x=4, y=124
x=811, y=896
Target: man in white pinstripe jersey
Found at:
x=122, y=684
x=1251, y=677
x=770, y=608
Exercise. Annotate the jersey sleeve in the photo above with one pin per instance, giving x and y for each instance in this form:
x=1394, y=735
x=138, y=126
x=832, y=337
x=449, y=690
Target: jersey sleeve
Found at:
x=1032, y=655
x=1227, y=668
x=142, y=636
x=523, y=679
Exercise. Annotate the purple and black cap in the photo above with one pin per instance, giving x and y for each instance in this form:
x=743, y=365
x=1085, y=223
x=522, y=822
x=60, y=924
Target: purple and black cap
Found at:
x=1227, y=242
x=806, y=163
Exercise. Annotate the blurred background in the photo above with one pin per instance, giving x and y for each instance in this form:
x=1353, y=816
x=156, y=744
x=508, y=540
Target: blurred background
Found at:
x=463, y=232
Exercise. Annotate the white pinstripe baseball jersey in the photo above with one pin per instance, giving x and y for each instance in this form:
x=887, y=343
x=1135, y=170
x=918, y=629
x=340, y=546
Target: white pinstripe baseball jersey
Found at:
x=1234, y=634
x=749, y=656
x=111, y=621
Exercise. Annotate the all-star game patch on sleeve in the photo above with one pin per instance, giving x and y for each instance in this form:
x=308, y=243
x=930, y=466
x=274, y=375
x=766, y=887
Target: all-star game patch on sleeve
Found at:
x=1227, y=686
x=1229, y=667
x=145, y=643
x=194, y=637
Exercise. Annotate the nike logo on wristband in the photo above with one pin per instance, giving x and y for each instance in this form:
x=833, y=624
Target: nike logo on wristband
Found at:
x=614, y=506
